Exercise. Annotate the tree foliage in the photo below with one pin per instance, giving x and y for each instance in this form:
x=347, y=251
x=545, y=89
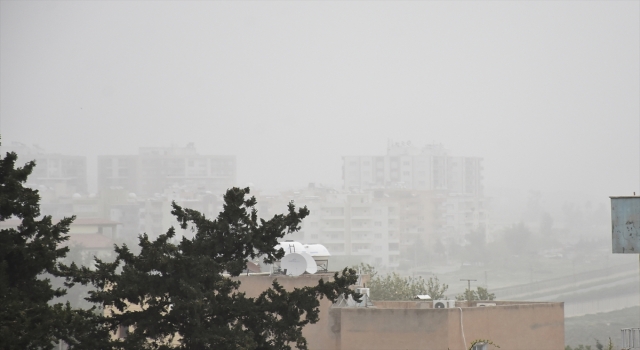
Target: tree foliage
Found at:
x=435, y=289
x=396, y=287
x=28, y=253
x=186, y=295
x=479, y=294
x=599, y=346
x=173, y=294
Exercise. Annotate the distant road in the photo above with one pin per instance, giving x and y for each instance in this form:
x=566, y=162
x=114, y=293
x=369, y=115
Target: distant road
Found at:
x=601, y=290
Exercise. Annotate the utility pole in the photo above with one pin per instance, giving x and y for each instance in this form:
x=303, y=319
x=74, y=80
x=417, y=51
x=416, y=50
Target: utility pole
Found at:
x=468, y=286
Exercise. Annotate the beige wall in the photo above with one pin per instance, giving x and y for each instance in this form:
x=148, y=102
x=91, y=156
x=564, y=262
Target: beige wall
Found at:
x=416, y=325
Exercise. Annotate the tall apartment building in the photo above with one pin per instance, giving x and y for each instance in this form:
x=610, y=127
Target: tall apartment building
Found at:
x=354, y=227
x=60, y=174
x=389, y=228
x=155, y=169
x=439, y=196
x=410, y=167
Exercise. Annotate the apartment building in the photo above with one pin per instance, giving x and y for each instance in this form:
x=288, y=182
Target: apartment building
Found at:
x=155, y=169
x=376, y=227
x=63, y=175
x=409, y=167
x=440, y=196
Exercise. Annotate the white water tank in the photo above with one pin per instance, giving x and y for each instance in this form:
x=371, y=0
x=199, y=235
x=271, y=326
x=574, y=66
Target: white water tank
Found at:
x=317, y=251
x=291, y=247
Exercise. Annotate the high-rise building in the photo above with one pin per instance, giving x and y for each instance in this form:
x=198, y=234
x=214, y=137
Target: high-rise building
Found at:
x=155, y=169
x=409, y=167
x=439, y=197
x=63, y=175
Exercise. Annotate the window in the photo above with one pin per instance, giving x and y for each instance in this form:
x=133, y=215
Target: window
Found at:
x=479, y=346
x=122, y=332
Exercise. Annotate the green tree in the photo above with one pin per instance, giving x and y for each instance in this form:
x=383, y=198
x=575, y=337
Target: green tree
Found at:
x=435, y=289
x=186, y=293
x=478, y=294
x=29, y=251
x=483, y=294
x=395, y=287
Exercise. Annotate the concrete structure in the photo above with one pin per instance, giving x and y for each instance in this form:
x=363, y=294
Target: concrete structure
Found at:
x=155, y=169
x=417, y=325
x=389, y=325
x=352, y=226
x=383, y=227
x=63, y=175
x=407, y=166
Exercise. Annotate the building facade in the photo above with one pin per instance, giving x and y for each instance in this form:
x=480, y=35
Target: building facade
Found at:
x=155, y=169
x=63, y=175
x=409, y=167
x=514, y=325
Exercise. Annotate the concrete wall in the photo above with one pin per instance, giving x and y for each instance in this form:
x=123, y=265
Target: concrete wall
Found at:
x=416, y=325
x=521, y=326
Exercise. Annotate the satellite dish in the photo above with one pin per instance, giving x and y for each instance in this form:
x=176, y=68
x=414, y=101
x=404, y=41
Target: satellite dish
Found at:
x=294, y=263
x=312, y=266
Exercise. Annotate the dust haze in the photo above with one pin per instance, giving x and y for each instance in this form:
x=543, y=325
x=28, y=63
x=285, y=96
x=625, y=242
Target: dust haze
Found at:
x=544, y=94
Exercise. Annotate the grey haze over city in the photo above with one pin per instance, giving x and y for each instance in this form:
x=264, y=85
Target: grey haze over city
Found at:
x=544, y=97
x=545, y=92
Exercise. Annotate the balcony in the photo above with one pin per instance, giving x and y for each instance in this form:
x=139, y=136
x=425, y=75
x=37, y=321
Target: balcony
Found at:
x=630, y=338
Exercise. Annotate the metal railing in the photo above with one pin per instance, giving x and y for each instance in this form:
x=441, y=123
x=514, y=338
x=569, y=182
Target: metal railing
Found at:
x=630, y=338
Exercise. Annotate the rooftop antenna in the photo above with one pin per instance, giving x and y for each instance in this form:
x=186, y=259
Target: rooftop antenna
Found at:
x=468, y=283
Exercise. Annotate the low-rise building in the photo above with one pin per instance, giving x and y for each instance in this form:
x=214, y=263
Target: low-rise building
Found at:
x=514, y=325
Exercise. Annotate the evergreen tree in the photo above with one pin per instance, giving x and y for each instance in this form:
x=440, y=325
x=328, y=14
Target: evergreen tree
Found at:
x=184, y=293
x=29, y=251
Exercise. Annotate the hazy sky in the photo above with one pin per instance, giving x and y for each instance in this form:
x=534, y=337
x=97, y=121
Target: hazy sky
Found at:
x=547, y=92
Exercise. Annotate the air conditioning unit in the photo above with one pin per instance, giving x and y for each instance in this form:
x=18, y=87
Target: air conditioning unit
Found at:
x=444, y=304
x=364, y=291
x=486, y=304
